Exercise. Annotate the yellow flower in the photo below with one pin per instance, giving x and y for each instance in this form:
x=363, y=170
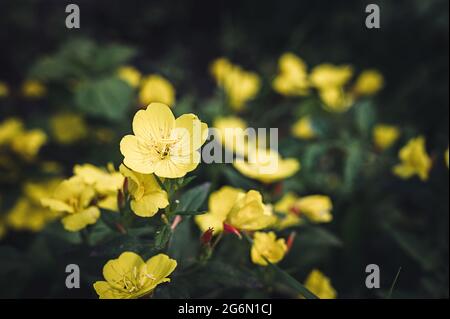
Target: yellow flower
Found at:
x=155, y=88
x=33, y=89
x=74, y=198
x=28, y=144
x=304, y=129
x=384, y=136
x=249, y=213
x=446, y=157
x=220, y=68
x=292, y=79
x=106, y=184
x=28, y=213
x=326, y=76
x=240, y=86
x=320, y=285
x=129, y=277
x=266, y=247
x=231, y=131
x=267, y=166
x=163, y=145
x=290, y=217
x=244, y=211
x=369, y=82
x=9, y=129
x=317, y=208
x=4, y=89
x=414, y=160
x=147, y=197
x=130, y=75
x=336, y=100
x=68, y=128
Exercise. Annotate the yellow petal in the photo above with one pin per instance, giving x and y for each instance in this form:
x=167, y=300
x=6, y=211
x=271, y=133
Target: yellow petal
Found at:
x=78, y=221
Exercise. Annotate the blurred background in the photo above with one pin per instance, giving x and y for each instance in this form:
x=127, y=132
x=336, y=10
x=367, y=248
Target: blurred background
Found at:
x=378, y=218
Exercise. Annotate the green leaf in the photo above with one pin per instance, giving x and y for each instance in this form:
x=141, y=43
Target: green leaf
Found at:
x=353, y=166
x=365, y=116
x=193, y=199
x=163, y=237
x=106, y=98
x=111, y=57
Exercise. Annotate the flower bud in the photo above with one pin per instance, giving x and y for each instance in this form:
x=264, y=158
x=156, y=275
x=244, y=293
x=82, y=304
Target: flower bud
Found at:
x=231, y=230
x=207, y=236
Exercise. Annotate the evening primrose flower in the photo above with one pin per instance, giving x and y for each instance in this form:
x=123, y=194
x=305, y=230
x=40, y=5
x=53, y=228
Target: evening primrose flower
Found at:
x=326, y=76
x=4, y=89
x=369, y=82
x=68, y=128
x=9, y=129
x=290, y=217
x=320, y=285
x=292, y=79
x=33, y=89
x=414, y=160
x=317, y=208
x=130, y=75
x=129, y=277
x=147, y=197
x=304, y=128
x=243, y=211
x=105, y=183
x=231, y=131
x=335, y=99
x=29, y=143
x=163, y=145
x=74, y=199
x=266, y=247
x=267, y=166
x=384, y=136
x=239, y=85
x=155, y=88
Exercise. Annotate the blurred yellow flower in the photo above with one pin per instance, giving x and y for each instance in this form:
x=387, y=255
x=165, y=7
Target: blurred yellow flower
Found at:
x=335, y=99
x=317, y=208
x=147, y=197
x=384, y=136
x=33, y=89
x=267, y=166
x=9, y=129
x=325, y=76
x=129, y=277
x=292, y=79
x=286, y=207
x=320, y=285
x=231, y=131
x=266, y=247
x=106, y=184
x=155, y=88
x=163, y=145
x=369, y=82
x=304, y=128
x=240, y=86
x=130, y=74
x=414, y=160
x=244, y=211
x=75, y=199
x=28, y=213
x=68, y=128
x=4, y=89
x=446, y=158
x=28, y=144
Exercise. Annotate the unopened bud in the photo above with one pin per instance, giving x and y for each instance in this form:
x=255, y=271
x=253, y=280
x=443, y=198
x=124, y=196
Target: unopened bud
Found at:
x=295, y=210
x=120, y=199
x=125, y=186
x=290, y=240
x=207, y=236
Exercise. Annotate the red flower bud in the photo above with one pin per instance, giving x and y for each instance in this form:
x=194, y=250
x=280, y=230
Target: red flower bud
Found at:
x=125, y=185
x=290, y=240
x=231, y=230
x=120, y=199
x=295, y=210
x=278, y=189
x=175, y=222
x=207, y=236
